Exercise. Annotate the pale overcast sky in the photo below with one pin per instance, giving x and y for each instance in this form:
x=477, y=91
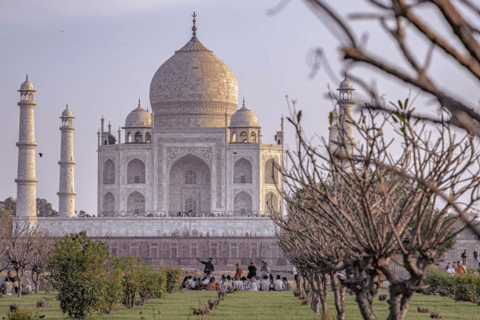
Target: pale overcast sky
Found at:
x=99, y=56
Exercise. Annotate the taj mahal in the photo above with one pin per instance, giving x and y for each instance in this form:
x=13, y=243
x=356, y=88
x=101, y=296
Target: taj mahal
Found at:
x=190, y=178
x=187, y=176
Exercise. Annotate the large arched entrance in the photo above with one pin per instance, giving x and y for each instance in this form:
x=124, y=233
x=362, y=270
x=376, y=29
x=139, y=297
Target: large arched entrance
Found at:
x=189, y=185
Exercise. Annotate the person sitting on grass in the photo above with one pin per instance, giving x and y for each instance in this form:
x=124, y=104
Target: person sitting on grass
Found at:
x=461, y=268
x=278, y=284
x=184, y=283
x=253, y=285
x=190, y=283
x=450, y=270
x=238, y=284
x=286, y=284
x=271, y=282
x=265, y=284
x=222, y=282
x=211, y=284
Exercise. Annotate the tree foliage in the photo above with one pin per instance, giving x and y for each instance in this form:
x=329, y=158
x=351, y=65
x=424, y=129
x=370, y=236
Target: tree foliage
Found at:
x=78, y=268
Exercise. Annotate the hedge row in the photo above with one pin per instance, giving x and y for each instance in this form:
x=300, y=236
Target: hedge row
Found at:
x=461, y=287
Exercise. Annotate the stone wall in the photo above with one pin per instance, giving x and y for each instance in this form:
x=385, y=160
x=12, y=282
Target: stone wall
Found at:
x=464, y=240
x=183, y=251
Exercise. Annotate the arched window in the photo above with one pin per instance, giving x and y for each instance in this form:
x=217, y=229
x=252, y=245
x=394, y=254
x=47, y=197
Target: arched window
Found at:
x=190, y=177
x=135, y=171
x=271, y=172
x=138, y=137
x=108, y=205
x=234, y=137
x=242, y=204
x=135, y=204
x=243, y=137
x=253, y=137
x=190, y=205
x=129, y=137
x=242, y=171
x=148, y=137
x=109, y=172
x=271, y=202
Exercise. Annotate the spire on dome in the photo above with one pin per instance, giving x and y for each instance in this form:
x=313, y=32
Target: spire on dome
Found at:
x=244, y=102
x=139, y=102
x=194, y=28
x=193, y=44
x=26, y=78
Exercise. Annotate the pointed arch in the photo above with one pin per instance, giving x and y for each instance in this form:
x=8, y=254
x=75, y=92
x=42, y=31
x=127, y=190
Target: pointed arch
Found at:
x=135, y=204
x=136, y=171
x=242, y=171
x=271, y=172
x=108, y=205
x=242, y=204
x=271, y=203
x=243, y=137
x=108, y=172
x=189, y=178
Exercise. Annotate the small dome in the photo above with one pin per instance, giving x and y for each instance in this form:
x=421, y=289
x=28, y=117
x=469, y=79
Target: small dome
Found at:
x=67, y=113
x=27, y=86
x=139, y=118
x=244, y=117
x=346, y=84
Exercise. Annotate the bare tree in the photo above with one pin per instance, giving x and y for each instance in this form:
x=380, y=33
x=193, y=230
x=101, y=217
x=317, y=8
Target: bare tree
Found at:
x=402, y=21
x=5, y=232
x=376, y=206
x=307, y=247
x=43, y=248
x=20, y=245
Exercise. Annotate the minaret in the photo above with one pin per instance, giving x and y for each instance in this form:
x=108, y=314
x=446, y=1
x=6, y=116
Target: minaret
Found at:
x=26, y=176
x=66, y=194
x=342, y=133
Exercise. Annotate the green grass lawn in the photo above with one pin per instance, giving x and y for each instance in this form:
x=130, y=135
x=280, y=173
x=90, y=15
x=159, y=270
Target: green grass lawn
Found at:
x=250, y=305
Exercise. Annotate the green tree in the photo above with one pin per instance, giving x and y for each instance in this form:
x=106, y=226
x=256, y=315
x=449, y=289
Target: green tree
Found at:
x=44, y=208
x=79, y=269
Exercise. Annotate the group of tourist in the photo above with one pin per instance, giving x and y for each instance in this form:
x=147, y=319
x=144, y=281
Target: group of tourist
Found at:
x=457, y=267
x=263, y=281
x=174, y=214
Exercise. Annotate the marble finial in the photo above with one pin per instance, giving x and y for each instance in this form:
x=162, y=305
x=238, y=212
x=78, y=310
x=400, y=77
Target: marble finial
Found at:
x=194, y=28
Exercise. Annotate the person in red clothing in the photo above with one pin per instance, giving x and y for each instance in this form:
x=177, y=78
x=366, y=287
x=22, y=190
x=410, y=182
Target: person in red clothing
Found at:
x=238, y=272
x=461, y=268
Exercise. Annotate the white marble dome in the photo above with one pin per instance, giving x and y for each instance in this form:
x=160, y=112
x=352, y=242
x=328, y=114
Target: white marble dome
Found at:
x=67, y=113
x=138, y=118
x=346, y=84
x=244, y=117
x=27, y=86
x=196, y=83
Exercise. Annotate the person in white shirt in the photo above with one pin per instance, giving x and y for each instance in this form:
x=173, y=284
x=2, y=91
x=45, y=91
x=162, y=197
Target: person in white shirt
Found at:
x=278, y=284
x=253, y=285
x=295, y=277
x=238, y=284
x=265, y=284
x=286, y=285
